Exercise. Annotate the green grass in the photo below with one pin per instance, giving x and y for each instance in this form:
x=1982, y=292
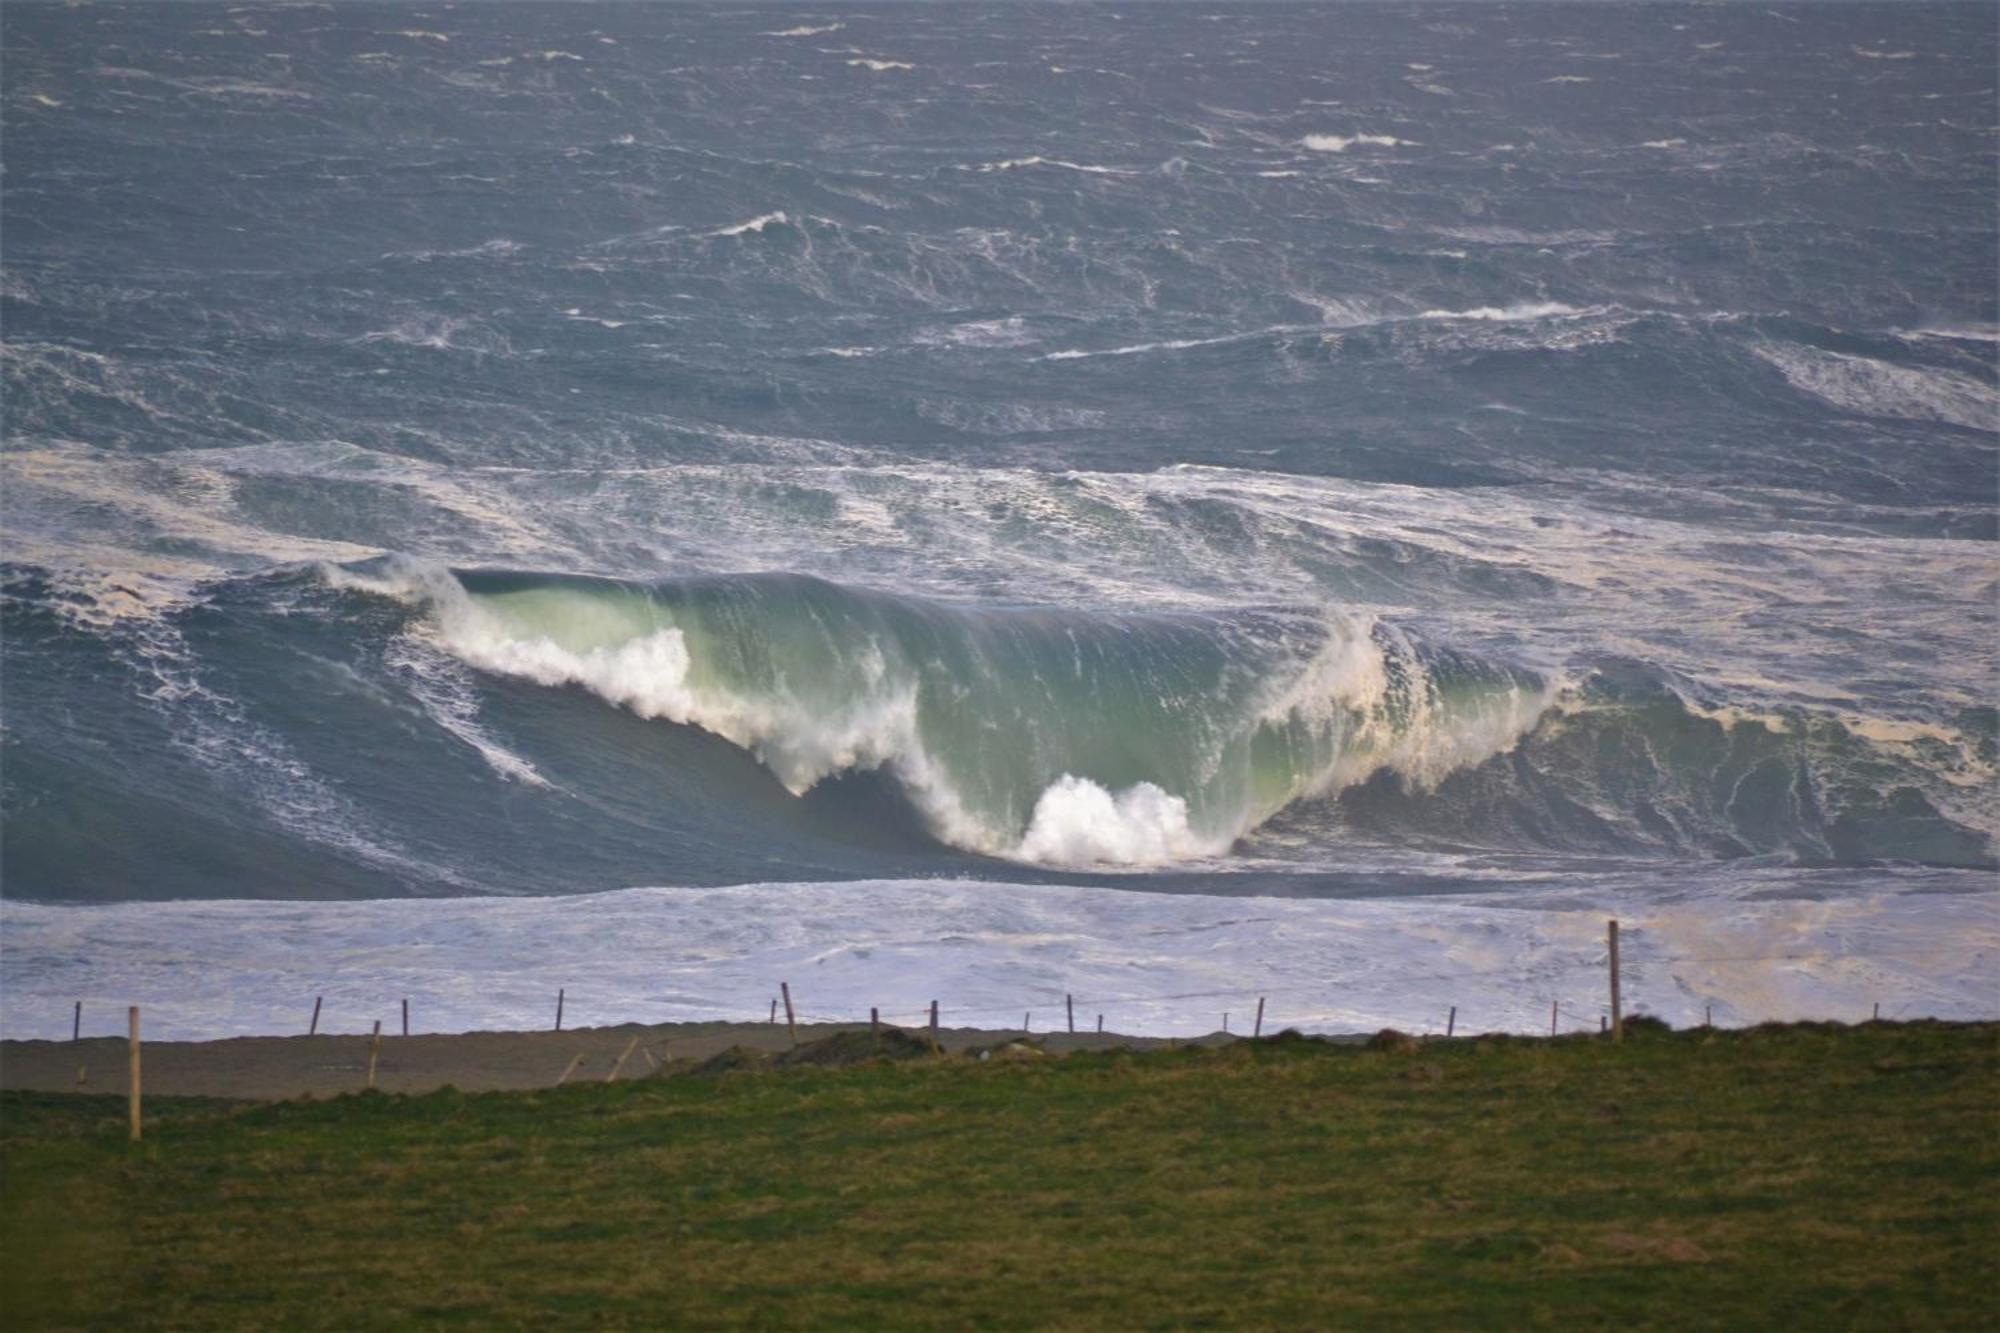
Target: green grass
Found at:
x=1777, y=1178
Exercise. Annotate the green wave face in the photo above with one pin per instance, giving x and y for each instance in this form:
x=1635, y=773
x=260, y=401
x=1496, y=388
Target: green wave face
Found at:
x=1045, y=735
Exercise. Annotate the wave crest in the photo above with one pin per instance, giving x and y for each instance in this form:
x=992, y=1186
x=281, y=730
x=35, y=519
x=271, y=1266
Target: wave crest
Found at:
x=1042, y=736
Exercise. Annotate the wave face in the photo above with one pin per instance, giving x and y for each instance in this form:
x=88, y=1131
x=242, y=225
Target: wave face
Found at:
x=1041, y=736
x=1298, y=449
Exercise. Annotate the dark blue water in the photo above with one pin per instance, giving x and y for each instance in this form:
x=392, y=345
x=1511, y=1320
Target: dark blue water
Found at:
x=1272, y=449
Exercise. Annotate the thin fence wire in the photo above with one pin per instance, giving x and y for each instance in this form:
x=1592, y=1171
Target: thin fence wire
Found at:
x=1057, y=1004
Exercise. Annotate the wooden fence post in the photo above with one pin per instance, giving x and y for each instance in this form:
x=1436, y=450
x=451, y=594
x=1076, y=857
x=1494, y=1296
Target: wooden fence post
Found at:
x=132, y=1097
x=1258, y=1031
x=874, y=1028
x=1878, y=1011
x=1451, y=1021
x=1069, y=1003
x=619, y=1063
x=76, y=1027
x=1617, y=1014
x=1100, y=1022
x=935, y=1048
x=1552, y=1016
x=374, y=1050
x=1024, y=1020
x=1708, y=1016
x=791, y=1020
x=774, y=1011
x=559, y=1007
x=314, y=1028
x=1225, y=1020
x=406, y=1018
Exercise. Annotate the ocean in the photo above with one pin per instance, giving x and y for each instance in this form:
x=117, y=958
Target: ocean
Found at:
x=1164, y=504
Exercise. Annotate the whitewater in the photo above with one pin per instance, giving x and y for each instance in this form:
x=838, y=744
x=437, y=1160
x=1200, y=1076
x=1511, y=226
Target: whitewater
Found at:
x=1165, y=505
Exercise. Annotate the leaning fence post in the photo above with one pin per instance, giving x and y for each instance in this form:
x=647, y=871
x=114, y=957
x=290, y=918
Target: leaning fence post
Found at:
x=314, y=1028
x=774, y=1011
x=374, y=1050
x=619, y=1063
x=1617, y=1015
x=132, y=1097
x=559, y=1008
x=1451, y=1021
x=76, y=1027
x=1024, y=1020
x=1878, y=1011
x=791, y=1020
x=1258, y=1031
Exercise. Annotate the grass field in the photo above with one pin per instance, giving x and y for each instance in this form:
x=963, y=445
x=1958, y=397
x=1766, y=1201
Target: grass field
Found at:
x=1781, y=1177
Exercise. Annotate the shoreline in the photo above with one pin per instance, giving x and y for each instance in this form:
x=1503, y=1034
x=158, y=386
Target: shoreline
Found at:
x=329, y=1064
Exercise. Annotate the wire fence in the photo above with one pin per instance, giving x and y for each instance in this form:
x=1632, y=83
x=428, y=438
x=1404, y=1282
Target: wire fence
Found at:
x=1556, y=985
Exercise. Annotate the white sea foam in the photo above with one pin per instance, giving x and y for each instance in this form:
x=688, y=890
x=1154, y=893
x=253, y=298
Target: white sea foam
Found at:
x=805, y=30
x=1336, y=143
x=1880, y=388
x=1076, y=822
x=1510, y=314
x=1018, y=163
x=1168, y=964
x=756, y=224
x=870, y=63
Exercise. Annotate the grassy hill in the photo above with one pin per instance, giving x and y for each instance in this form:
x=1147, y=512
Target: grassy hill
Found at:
x=1775, y=1177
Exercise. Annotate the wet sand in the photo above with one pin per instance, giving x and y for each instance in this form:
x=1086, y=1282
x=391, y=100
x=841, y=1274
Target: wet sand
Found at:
x=273, y=1068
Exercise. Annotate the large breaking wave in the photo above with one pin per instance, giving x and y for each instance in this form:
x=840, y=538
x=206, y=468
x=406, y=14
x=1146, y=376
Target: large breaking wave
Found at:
x=1037, y=735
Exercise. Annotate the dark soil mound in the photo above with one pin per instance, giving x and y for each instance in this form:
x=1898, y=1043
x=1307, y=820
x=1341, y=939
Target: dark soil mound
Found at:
x=731, y=1060
x=1396, y=1043
x=854, y=1048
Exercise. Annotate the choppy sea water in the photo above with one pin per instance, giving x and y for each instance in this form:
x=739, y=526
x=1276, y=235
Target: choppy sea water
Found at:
x=1163, y=503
